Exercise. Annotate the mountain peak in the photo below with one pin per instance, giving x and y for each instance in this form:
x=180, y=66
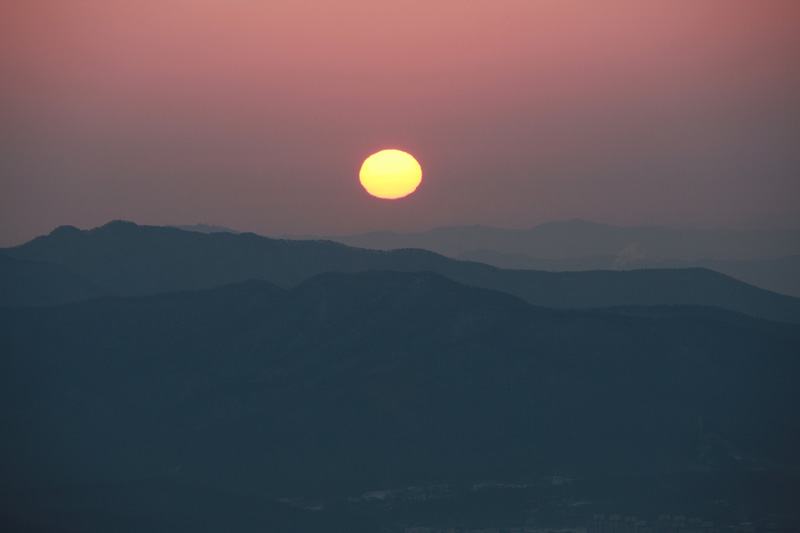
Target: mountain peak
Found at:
x=118, y=225
x=65, y=231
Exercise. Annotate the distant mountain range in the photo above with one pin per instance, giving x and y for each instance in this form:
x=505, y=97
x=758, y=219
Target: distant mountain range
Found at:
x=580, y=238
x=778, y=275
x=126, y=259
x=202, y=411
x=769, y=259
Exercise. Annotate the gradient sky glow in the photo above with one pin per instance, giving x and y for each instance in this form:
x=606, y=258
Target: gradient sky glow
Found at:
x=258, y=114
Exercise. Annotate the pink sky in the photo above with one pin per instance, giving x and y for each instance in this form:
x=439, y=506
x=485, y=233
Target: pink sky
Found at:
x=257, y=114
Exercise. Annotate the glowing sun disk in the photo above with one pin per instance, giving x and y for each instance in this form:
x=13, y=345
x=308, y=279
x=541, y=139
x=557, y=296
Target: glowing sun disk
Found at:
x=390, y=174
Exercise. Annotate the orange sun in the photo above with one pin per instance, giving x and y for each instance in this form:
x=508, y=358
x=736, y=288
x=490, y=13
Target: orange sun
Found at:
x=390, y=174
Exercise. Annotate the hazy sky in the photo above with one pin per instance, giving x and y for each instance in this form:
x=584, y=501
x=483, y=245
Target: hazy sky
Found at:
x=257, y=114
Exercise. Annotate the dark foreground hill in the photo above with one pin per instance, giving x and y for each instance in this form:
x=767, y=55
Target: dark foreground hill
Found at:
x=127, y=259
x=25, y=283
x=253, y=408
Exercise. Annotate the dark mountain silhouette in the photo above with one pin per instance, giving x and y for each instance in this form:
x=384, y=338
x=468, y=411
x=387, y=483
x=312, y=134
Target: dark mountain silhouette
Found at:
x=26, y=283
x=177, y=408
x=580, y=238
x=136, y=260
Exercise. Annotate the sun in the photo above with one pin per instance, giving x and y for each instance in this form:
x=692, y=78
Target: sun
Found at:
x=390, y=174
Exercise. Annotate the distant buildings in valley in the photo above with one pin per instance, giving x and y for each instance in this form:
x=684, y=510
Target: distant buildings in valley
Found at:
x=419, y=529
x=671, y=524
x=600, y=523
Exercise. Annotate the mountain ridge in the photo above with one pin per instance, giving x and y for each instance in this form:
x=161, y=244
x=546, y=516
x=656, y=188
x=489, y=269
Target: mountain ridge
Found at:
x=768, y=259
x=127, y=259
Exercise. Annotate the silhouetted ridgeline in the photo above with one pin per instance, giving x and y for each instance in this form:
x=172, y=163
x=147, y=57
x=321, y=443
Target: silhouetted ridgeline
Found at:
x=769, y=259
x=127, y=259
x=201, y=410
x=580, y=238
x=778, y=275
